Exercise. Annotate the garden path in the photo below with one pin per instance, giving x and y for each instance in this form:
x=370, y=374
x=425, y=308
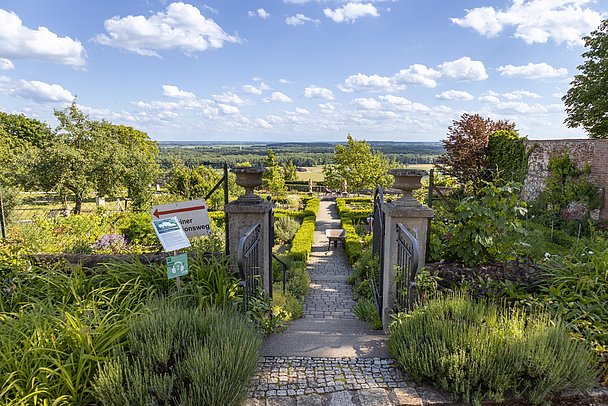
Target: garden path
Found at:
x=329, y=357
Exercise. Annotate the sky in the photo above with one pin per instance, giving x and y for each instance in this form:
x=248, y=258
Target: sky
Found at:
x=296, y=70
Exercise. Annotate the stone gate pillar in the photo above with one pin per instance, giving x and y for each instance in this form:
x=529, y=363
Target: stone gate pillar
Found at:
x=413, y=215
x=244, y=213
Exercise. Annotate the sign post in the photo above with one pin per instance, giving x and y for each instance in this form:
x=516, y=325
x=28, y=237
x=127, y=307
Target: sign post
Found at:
x=192, y=215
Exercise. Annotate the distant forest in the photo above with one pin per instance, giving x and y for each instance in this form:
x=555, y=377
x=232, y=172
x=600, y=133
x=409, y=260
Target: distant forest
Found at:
x=301, y=154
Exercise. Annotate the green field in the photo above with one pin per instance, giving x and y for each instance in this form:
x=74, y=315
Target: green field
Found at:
x=316, y=172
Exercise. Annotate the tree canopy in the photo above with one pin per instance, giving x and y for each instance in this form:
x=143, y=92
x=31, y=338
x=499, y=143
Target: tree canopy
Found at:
x=586, y=102
x=87, y=156
x=467, y=153
x=358, y=165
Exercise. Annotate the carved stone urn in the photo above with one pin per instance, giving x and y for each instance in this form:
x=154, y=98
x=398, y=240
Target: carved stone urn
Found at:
x=249, y=177
x=407, y=180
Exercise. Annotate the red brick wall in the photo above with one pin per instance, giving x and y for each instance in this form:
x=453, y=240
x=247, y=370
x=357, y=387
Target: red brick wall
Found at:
x=585, y=151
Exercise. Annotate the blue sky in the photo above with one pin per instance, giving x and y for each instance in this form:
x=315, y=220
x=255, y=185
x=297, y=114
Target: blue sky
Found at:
x=296, y=70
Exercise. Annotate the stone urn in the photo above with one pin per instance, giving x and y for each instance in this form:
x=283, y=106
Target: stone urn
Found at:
x=249, y=177
x=407, y=180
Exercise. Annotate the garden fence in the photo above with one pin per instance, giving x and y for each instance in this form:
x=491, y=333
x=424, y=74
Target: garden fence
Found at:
x=47, y=223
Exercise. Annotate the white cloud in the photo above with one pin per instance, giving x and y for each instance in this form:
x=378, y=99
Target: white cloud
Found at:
x=532, y=71
x=318, y=93
x=228, y=109
x=260, y=12
x=454, y=95
x=229, y=98
x=463, y=69
x=364, y=103
x=302, y=111
x=251, y=89
x=368, y=83
x=490, y=98
x=520, y=94
x=20, y=42
x=350, y=12
x=278, y=97
x=402, y=104
x=536, y=21
x=175, y=92
x=261, y=123
x=6, y=64
x=285, y=81
x=417, y=74
x=34, y=90
x=181, y=26
x=300, y=19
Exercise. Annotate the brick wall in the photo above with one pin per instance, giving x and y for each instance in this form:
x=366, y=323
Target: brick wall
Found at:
x=585, y=151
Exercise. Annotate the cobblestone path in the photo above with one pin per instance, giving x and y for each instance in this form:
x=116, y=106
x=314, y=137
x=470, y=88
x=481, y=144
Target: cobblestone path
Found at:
x=329, y=358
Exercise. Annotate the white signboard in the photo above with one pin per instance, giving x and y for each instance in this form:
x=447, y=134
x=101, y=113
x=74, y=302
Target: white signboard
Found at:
x=170, y=234
x=192, y=215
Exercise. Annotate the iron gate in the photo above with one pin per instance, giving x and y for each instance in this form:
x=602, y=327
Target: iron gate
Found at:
x=377, y=227
x=249, y=259
x=407, y=266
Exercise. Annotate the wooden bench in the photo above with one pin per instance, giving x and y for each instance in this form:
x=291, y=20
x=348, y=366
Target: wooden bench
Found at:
x=334, y=235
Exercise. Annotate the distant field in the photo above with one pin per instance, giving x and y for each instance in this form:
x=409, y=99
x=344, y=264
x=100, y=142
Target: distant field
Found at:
x=312, y=172
x=316, y=172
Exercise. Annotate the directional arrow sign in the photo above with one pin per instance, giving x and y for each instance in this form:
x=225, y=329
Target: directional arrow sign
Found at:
x=192, y=215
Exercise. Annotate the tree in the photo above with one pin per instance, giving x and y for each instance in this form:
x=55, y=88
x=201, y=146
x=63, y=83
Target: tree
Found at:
x=466, y=148
x=586, y=102
x=26, y=129
x=290, y=172
x=508, y=156
x=356, y=164
x=87, y=156
x=273, y=179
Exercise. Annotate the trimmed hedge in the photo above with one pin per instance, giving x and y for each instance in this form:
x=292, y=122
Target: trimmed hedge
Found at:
x=352, y=245
x=301, y=245
x=345, y=211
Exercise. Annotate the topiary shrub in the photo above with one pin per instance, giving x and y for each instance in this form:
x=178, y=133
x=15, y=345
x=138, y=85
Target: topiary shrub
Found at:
x=177, y=355
x=352, y=244
x=301, y=245
x=477, y=351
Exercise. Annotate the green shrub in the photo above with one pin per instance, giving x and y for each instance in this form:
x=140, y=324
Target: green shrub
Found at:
x=137, y=228
x=577, y=292
x=285, y=228
x=367, y=311
x=477, y=351
x=180, y=355
x=352, y=243
x=311, y=206
x=302, y=242
x=486, y=227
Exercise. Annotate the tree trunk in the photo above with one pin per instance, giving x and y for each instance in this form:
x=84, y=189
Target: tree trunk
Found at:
x=77, y=203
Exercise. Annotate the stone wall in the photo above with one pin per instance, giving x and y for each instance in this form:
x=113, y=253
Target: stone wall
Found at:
x=584, y=151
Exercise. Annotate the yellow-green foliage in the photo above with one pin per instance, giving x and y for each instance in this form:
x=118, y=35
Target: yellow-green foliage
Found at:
x=345, y=209
x=352, y=244
x=311, y=207
x=301, y=245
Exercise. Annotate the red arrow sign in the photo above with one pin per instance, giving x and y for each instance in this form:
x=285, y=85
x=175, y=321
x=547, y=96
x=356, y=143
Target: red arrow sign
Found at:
x=157, y=213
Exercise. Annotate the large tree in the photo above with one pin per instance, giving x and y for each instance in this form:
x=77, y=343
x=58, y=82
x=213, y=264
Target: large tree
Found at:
x=586, y=101
x=86, y=156
x=357, y=165
x=466, y=148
